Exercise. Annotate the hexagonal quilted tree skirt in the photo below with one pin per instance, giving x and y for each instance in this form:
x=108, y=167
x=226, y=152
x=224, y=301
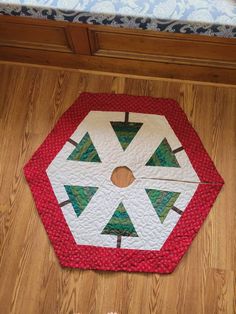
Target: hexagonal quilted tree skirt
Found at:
x=146, y=226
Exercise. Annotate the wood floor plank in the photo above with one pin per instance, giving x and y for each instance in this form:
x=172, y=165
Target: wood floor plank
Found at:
x=31, y=280
x=221, y=282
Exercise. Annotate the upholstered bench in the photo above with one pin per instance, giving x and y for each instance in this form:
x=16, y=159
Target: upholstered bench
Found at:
x=190, y=40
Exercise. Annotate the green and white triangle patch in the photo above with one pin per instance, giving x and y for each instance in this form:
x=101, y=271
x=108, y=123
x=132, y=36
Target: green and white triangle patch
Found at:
x=126, y=131
x=80, y=196
x=162, y=201
x=85, y=151
x=163, y=156
x=120, y=224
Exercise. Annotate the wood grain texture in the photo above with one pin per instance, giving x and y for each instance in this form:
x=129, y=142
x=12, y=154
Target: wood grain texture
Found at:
x=31, y=279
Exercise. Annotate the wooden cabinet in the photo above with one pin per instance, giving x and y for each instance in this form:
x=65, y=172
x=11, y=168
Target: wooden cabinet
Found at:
x=103, y=48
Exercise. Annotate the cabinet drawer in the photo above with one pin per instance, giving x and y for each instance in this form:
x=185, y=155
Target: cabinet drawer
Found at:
x=41, y=37
x=156, y=46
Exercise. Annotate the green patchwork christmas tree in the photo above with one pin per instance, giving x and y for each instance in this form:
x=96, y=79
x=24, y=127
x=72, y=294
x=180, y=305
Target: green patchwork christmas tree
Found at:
x=125, y=132
x=163, y=156
x=120, y=225
x=85, y=151
x=80, y=196
x=162, y=201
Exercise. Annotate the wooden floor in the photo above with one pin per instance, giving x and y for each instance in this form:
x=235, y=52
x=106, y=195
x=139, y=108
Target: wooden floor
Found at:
x=31, y=280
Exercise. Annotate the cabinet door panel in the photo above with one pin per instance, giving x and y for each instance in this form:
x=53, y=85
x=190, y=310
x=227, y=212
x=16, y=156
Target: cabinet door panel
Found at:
x=52, y=38
x=149, y=46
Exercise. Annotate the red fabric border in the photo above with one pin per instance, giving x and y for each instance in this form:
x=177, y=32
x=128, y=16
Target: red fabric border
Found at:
x=88, y=257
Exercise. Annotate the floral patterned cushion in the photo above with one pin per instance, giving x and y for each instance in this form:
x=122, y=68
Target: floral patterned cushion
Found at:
x=208, y=17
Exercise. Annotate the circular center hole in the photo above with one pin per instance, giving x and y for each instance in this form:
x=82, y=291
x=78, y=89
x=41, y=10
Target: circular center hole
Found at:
x=122, y=177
